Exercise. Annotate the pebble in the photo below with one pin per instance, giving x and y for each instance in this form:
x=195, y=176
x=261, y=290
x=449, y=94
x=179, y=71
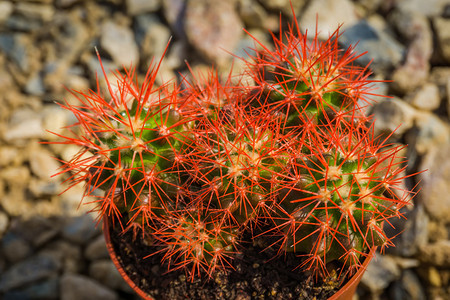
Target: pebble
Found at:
x=213, y=41
x=14, y=248
x=15, y=176
x=174, y=13
x=327, y=15
x=29, y=10
x=69, y=254
x=76, y=287
x=10, y=156
x=152, y=36
x=408, y=287
x=105, y=272
x=17, y=47
x=425, y=98
x=96, y=249
x=414, y=71
x=54, y=119
x=283, y=7
x=253, y=14
x=427, y=8
x=119, y=42
x=381, y=271
x=442, y=27
x=47, y=46
x=432, y=132
x=6, y=8
x=435, y=192
x=137, y=7
x=393, y=115
x=37, y=230
x=382, y=49
x=66, y=3
x=410, y=234
x=79, y=229
x=42, y=163
x=4, y=222
x=47, y=289
x=24, y=125
x=436, y=254
x=35, y=85
x=31, y=270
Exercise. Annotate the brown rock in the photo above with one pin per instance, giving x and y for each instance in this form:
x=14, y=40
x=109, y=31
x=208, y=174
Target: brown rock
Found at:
x=414, y=71
x=435, y=192
x=213, y=27
x=437, y=254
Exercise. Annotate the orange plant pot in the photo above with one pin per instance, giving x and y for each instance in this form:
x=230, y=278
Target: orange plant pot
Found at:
x=345, y=293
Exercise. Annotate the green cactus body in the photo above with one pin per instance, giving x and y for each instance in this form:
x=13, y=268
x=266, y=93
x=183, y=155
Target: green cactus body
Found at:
x=289, y=160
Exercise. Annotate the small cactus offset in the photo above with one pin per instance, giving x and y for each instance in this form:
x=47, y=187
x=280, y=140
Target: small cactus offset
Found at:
x=287, y=158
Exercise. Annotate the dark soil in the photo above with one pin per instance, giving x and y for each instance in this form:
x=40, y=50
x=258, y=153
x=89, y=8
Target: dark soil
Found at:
x=255, y=275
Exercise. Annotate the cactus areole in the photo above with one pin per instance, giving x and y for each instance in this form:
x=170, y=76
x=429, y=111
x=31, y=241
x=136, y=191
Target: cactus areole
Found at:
x=284, y=160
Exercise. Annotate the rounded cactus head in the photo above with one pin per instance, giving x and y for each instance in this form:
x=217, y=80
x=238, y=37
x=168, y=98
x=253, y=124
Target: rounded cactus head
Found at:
x=289, y=160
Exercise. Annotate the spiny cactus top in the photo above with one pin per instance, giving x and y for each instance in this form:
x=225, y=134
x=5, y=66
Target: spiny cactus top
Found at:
x=289, y=159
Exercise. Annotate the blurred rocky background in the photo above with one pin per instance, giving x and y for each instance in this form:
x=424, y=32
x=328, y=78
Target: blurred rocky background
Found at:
x=51, y=249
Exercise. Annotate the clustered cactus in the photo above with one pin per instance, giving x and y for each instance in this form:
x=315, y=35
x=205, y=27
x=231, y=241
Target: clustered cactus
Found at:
x=284, y=152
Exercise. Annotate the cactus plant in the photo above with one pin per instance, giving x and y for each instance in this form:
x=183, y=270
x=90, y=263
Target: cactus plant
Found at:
x=289, y=159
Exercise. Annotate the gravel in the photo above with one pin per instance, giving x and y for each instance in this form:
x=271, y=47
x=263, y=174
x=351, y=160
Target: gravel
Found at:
x=50, y=248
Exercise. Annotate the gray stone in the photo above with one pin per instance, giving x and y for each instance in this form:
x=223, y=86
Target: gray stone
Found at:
x=390, y=114
x=442, y=27
x=410, y=234
x=31, y=270
x=35, y=85
x=414, y=71
x=408, y=287
x=137, y=7
x=426, y=98
x=97, y=249
x=119, y=42
x=152, y=36
x=174, y=13
x=48, y=289
x=70, y=36
x=80, y=229
x=329, y=14
x=14, y=248
x=213, y=28
x=435, y=193
x=382, y=49
x=15, y=46
x=75, y=287
x=381, y=271
x=44, y=188
x=37, y=230
x=105, y=272
x=69, y=254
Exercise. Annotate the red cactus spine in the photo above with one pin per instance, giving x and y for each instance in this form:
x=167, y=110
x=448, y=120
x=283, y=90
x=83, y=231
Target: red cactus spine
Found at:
x=289, y=160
